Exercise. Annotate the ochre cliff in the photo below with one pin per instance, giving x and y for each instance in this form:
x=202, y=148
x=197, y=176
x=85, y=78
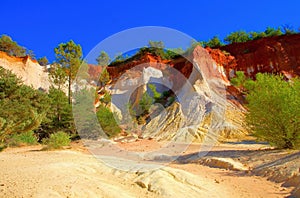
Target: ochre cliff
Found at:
x=149, y=59
x=278, y=54
x=30, y=71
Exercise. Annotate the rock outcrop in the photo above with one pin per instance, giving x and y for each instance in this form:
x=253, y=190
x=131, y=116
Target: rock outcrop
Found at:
x=201, y=109
x=278, y=54
x=30, y=71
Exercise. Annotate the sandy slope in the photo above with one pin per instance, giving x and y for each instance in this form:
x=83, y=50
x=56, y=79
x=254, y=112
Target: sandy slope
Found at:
x=29, y=172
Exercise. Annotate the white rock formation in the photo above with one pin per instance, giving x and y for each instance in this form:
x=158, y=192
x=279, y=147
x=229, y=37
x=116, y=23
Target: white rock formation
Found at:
x=31, y=72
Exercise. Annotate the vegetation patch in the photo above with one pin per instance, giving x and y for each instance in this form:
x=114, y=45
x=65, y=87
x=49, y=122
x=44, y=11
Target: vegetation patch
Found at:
x=57, y=140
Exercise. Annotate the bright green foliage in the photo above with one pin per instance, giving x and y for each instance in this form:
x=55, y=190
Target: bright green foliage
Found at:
x=57, y=140
x=274, y=110
x=22, y=108
x=104, y=77
x=106, y=98
x=11, y=47
x=257, y=35
x=215, y=42
x=156, y=95
x=273, y=32
x=27, y=138
x=69, y=55
x=103, y=59
x=108, y=122
x=239, y=79
x=145, y=104
x=237, y=37
x=43, y=61
x=242, y=82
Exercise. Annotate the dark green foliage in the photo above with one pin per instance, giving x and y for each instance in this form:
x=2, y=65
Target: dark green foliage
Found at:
x=11, y=47
x=43, y=61
x=22, y=108
x=59, y=116
x=103, y=59
x=274, y=110
x=108, y=122
x=57, y=140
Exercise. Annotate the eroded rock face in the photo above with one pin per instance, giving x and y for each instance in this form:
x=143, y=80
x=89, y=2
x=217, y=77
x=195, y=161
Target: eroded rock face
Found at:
x=272, y=54
x=202, y=105
x=202, y=108
x=30, y=71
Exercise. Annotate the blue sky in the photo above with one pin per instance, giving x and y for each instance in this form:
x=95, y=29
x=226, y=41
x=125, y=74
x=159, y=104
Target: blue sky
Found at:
x=42, y=25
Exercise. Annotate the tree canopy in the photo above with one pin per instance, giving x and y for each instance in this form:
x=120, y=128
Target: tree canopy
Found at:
x=274, y=109
x=103, y=59
x=11, y=47
x=69, y=55
x=22, y=108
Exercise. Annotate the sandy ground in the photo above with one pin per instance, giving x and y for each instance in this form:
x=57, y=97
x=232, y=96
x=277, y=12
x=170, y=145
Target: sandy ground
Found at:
x=74, y=172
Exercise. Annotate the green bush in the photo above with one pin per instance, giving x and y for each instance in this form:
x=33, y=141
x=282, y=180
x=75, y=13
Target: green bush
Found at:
x=242, y=82
x=108, y=122
x=57, y=140
x=22, y=108
x=26, y=138
x=274, y=110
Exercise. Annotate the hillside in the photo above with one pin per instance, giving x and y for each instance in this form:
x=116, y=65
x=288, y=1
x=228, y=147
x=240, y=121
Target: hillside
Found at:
x=30, y=71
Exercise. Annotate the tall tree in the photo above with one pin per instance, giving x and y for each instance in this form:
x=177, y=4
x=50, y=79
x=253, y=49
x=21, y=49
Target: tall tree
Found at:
x=103, y=59
x=69, y=55
x=11, y=47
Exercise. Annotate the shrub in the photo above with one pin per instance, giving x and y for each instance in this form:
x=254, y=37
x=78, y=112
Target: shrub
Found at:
x=57, y=140
x=22, y=108
x=108, y=122
x=27, y=138
x=242, y=82
x=274, y=111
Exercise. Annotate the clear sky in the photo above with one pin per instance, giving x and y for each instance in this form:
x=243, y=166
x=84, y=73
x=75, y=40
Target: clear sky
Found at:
x=41, y=25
